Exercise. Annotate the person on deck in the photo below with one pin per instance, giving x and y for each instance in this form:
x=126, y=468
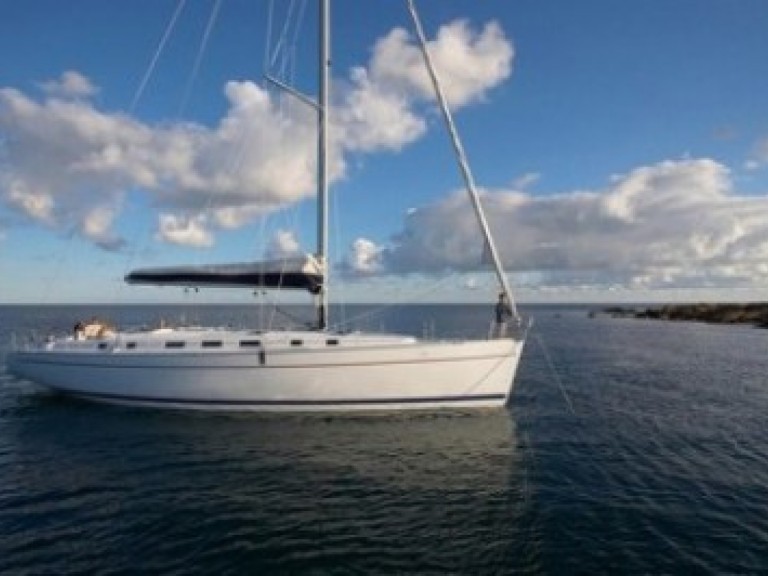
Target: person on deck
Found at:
x=503, y=313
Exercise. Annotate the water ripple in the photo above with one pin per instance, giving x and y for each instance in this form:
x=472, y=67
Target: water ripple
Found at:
x=279, y=494
x=659, y=465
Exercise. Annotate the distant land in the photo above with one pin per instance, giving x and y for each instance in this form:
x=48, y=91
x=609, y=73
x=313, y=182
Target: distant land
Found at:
x=755, y=313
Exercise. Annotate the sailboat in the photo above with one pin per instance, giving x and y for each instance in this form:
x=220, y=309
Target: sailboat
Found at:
x=314, y=369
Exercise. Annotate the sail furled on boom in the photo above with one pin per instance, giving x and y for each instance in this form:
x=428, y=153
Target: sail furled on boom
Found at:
x=303, y=273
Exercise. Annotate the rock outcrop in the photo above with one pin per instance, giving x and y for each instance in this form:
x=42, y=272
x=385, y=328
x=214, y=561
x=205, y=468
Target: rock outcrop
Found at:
x=752, y=313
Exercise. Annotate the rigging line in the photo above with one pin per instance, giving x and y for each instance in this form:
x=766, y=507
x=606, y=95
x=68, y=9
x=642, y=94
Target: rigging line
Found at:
x=379, y=310
x=415, y=296
x=268, y=35
x=237, y=161
x=160, y=47
x=555, y=373
x=282, y=38
x=287, y=63
x=260, y=293
x=299, y=20
x=131, y=256
x=284, y=258
x=284, y=58
x=209, y=205
x=199, y=58
x=290, y=53
x=292, y=317
x=287, y=67
x=342, y=304
x=297, y=29
x=278, y=309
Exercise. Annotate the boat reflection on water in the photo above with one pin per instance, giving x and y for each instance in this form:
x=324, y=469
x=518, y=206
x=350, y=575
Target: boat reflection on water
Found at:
x=444, y=450
x=384, y=493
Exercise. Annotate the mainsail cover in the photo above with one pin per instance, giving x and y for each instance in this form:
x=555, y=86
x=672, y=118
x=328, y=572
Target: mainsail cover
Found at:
x=297, y=273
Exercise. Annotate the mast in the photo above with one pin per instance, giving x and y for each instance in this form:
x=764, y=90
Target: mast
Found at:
x=463, y=163
x=322, y=160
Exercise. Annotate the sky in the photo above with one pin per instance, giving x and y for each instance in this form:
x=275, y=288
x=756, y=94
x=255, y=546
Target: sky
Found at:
x=620, y=148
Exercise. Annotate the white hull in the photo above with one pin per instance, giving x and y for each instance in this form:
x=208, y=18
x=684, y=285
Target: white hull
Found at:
x=286, y=371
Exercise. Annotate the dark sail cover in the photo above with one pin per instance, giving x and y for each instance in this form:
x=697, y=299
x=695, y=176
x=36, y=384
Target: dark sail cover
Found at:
x=296, y=273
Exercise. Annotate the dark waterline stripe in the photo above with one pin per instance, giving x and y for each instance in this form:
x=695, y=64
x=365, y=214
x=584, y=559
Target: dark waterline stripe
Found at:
x=308, y=403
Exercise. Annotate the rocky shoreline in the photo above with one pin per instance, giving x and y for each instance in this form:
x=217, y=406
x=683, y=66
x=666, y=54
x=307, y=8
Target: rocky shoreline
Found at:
x=755, y=313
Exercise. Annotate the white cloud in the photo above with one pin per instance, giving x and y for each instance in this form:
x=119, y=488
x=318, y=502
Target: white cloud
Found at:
x=379, y=110
x=284, y=244
x=374, y=117
x=364, y=258
x=759, y=156
x=526, y=181
x=185, y=231
x=97, y=227
x=72, y=84
x=36, y=205
x=471, y=283
x=673, y=223
x=468, y=63
x=48, y=147
x=68, y=156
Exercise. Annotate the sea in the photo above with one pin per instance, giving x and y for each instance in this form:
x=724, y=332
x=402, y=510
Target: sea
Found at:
x=628, y=447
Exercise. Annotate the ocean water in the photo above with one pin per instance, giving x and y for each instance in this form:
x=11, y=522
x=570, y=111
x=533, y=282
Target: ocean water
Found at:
x=629, y=447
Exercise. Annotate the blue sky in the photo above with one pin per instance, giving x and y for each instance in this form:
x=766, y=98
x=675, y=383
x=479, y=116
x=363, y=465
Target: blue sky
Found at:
x=621, y=147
